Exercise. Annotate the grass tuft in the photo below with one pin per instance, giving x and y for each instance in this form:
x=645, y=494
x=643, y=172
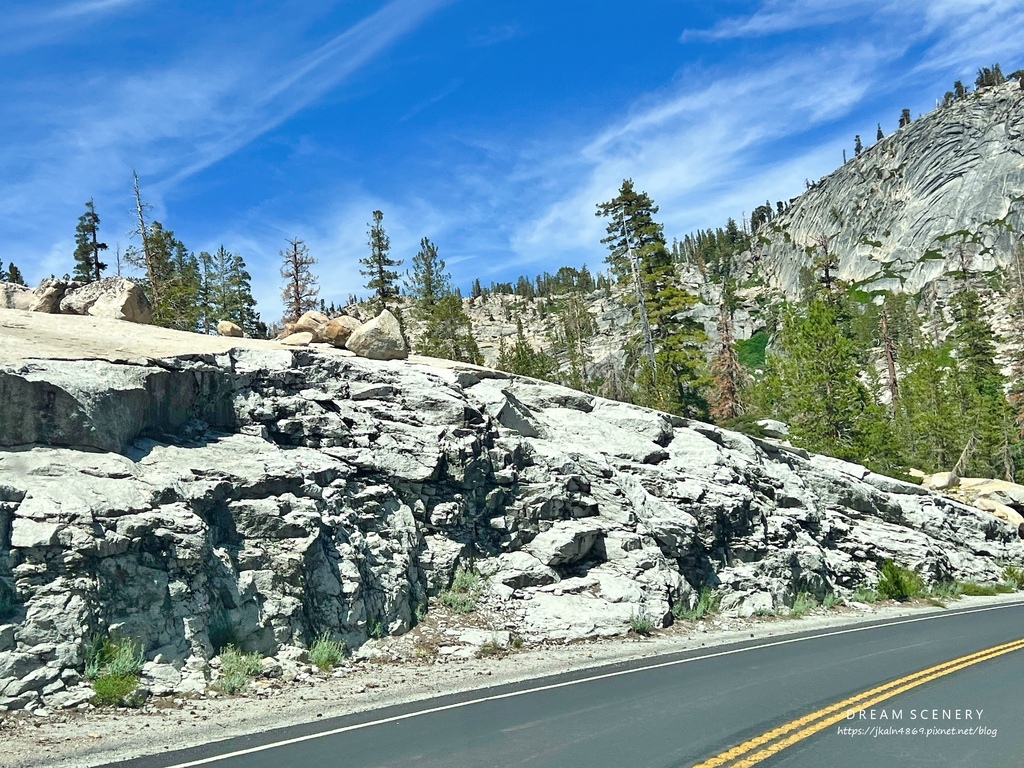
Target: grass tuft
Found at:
x=640, y=623
x=326, y=654
x=115, y=691
x=113, y=665
x=803, y=604
x=973, y=589
x=707, y=605
x=831, y=601
x=236, y=669
x=946, y=590
x=464, y=593
x=864, y=595
x=1014, y=576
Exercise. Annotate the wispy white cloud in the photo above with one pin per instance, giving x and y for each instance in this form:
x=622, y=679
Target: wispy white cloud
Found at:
x=76, y=10
x=700, y=150
x=170, y=121
x=495, y=35
x=779, y=16
x=720, y=142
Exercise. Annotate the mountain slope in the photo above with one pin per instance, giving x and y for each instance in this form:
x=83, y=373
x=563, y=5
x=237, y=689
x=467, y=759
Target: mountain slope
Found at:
x=959, y=168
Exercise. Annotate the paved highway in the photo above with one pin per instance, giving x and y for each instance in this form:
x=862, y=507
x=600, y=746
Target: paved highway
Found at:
x=781, y=702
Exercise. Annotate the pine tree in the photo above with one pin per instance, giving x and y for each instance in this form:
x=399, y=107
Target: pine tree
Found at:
x=632, y=235
x=429, y=282
x=728, y=375
x=879, y=136
x=813, y=383
x=382, y=277
x=3, y=273
x=88, y=266
x=959, y=91
x=928, y=420
x=14, y=274
x=522, y=359
x=155, y=257
x=905, y=118
x=448, y=333
x=983, y=403
x=181, y=307
x=672, y=373
x=144, y=258
x=241, y=304
x=858, y=147
x=300, y=288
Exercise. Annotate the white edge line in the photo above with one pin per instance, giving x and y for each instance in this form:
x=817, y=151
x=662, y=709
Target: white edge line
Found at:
x=552, y=686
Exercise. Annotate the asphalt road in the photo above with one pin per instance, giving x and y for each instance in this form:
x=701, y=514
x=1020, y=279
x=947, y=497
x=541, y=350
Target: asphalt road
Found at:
x=684, y=709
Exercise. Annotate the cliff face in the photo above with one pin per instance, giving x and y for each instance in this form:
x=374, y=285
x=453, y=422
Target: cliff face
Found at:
x=960, y=167
x=262, y=496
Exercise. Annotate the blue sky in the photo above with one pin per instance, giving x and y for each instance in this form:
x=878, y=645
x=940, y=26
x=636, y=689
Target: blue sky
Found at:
x=493, y=127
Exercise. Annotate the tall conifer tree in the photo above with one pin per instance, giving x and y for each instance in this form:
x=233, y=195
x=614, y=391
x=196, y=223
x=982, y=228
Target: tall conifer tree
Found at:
x=300, y=287
x=379, y=269
x=88, y=266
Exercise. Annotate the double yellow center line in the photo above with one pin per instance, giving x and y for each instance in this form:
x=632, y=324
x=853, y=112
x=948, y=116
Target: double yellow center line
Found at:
x=760, y=748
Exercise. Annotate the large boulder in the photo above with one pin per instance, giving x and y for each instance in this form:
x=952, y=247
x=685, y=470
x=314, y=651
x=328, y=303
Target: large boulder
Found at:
x=311, y=322
x=338, y=330
x=517, y=570
x=227, y=328
x=565, y=542
x=15, y=296
x=379, y=339
x=48, y=295
x=300, y=339
x=111, y=297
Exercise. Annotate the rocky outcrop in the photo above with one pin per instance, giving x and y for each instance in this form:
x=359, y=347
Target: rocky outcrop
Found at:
x=46, y=297
x=112, y=297
x=266, y=495
x=15, y=296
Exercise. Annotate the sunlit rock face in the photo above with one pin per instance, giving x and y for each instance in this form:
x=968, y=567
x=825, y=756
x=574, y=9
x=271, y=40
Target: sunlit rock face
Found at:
x=959, y=168
x=263, y=496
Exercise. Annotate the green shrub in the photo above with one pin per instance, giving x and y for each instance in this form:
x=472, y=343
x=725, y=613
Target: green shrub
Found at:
x=115, y=690
x=125, y=658
x=707, y=605
x=898, y=583
x=803, y=604
x=751, y=352
x=326, y=654
x=236, y=668
x=641, y=623
x=1014, y=576
x=831, y=601
x=973, y=589
x=946, y=590
x=111, y=656
x=864, y=595
x=113, y=665
x=464, y=593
